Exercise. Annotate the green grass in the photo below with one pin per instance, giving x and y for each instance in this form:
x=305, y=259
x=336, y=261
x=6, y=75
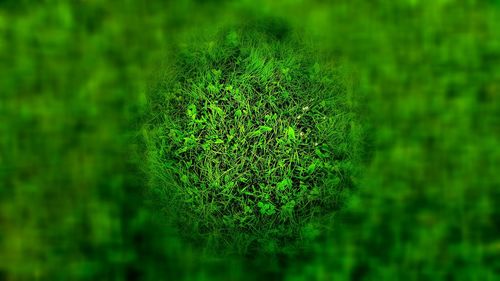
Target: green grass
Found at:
x=253, y=139
x=74, y=76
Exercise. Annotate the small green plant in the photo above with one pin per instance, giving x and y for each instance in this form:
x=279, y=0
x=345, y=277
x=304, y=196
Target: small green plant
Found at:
x=250, y=138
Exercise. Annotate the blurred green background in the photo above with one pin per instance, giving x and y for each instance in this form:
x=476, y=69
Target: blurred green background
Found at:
x=73, y=81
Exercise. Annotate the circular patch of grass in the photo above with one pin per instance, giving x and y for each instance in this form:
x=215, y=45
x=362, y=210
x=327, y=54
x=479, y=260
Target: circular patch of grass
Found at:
x=251, y=140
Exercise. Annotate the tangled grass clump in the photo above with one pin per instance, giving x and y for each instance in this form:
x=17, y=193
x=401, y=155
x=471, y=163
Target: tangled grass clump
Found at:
x=251, y=141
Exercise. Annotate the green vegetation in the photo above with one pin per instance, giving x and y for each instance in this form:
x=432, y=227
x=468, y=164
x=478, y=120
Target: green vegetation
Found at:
x=74, y=78
x=251, y=138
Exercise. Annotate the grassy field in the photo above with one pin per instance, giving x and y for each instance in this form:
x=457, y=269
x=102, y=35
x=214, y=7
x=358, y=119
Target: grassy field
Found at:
x=74, y=79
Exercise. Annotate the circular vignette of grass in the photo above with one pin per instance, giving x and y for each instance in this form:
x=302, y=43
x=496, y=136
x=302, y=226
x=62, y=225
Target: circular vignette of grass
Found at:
x=251, y=140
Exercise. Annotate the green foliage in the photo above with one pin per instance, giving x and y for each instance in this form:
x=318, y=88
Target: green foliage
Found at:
x=74, y=74
x=255, y=133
